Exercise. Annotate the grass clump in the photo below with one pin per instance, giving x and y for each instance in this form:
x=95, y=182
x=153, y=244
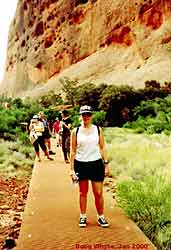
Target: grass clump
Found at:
x=141, y=165
x=147, y=202
x=16, y=159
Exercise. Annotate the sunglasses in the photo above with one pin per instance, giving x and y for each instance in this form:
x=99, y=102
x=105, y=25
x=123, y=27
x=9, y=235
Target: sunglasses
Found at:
x=87, y=114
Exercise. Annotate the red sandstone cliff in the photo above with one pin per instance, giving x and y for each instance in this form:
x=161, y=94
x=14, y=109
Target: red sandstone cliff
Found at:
x=113, y=41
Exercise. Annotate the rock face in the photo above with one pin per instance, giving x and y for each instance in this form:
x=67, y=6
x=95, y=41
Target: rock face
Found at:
x=112, y=41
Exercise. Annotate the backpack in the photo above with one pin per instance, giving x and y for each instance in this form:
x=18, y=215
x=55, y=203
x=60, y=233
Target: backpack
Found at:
x=33, y=136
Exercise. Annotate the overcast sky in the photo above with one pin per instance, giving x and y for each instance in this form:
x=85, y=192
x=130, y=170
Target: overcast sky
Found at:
x=7, y=12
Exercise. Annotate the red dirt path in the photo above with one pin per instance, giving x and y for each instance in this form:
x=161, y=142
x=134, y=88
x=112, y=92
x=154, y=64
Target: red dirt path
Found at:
x=52, y=212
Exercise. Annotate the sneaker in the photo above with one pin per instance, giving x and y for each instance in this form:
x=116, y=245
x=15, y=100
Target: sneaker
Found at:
x=82, y=222
x=51, y=152
x=49, y=158
x=102, y=222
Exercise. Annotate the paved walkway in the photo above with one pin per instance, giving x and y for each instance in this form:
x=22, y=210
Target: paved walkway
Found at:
x=50, y=220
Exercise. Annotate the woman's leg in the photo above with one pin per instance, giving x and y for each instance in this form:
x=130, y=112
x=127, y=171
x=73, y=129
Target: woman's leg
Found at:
x=43, y=147
x=38, y=155
x=57, y=139
x=67, y=146
x=48, y=144
x=64, y=148
x=98, y=195
x=83, y=187
x=36, y=148
x=99, y=201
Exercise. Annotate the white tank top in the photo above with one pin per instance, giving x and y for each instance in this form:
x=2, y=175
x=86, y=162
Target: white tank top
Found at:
x=87, y=144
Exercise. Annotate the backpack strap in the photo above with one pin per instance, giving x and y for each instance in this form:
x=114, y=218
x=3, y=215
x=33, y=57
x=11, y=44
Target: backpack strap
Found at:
x=77, y=129
x=98, y=128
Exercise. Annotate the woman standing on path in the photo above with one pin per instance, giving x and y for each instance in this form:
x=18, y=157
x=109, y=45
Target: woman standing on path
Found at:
x=89, y=162
x=36, y=129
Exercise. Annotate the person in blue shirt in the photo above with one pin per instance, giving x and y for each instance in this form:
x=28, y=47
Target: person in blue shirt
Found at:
x=46, y=134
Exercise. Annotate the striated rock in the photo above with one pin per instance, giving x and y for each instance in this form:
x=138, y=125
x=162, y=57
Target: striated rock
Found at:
x=112, y=41
x=5, y=207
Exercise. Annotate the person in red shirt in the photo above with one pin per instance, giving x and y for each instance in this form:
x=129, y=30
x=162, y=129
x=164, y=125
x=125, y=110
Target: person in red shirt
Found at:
x=56, y=131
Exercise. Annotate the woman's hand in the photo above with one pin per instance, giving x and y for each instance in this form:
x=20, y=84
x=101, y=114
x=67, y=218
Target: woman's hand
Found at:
x=106, y=169
x=73, y=175
x=31, y=126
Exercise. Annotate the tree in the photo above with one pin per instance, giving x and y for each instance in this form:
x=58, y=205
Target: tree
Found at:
x=89, y=93
x=51, y=98
x=69, y=87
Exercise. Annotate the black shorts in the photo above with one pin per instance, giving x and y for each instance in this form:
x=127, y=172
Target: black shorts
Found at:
x=91, y=170
x=39, y=142
x=46, y=136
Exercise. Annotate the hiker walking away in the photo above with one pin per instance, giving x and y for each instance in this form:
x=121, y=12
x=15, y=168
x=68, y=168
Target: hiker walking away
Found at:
x=36, y=130
x=46, y=133
x=89, y=162
x=65, y=125
x=56, y=130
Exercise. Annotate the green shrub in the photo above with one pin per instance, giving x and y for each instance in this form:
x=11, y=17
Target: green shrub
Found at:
x=23, y=137
x=152, y=116
x=147, y=202
x=99, y=118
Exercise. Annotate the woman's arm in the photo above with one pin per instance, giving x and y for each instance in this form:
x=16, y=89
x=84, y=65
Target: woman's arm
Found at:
x=73, y=151
x=103, y=152
x=31, y=126
x=67, y=126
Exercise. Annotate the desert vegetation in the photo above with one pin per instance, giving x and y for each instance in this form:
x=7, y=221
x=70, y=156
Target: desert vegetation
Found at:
x=141, y=165
x=137, y=128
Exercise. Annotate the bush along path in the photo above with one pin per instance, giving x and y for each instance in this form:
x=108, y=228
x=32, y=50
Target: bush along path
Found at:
x=50, y=219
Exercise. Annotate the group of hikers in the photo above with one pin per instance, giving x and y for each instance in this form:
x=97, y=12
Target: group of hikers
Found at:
x=84, y=148
x=40, y=134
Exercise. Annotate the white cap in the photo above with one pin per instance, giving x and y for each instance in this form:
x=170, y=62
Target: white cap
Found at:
x=85, y=109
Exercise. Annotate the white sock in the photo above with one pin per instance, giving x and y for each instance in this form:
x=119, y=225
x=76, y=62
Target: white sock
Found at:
x=83, y=216
x=100, y=216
